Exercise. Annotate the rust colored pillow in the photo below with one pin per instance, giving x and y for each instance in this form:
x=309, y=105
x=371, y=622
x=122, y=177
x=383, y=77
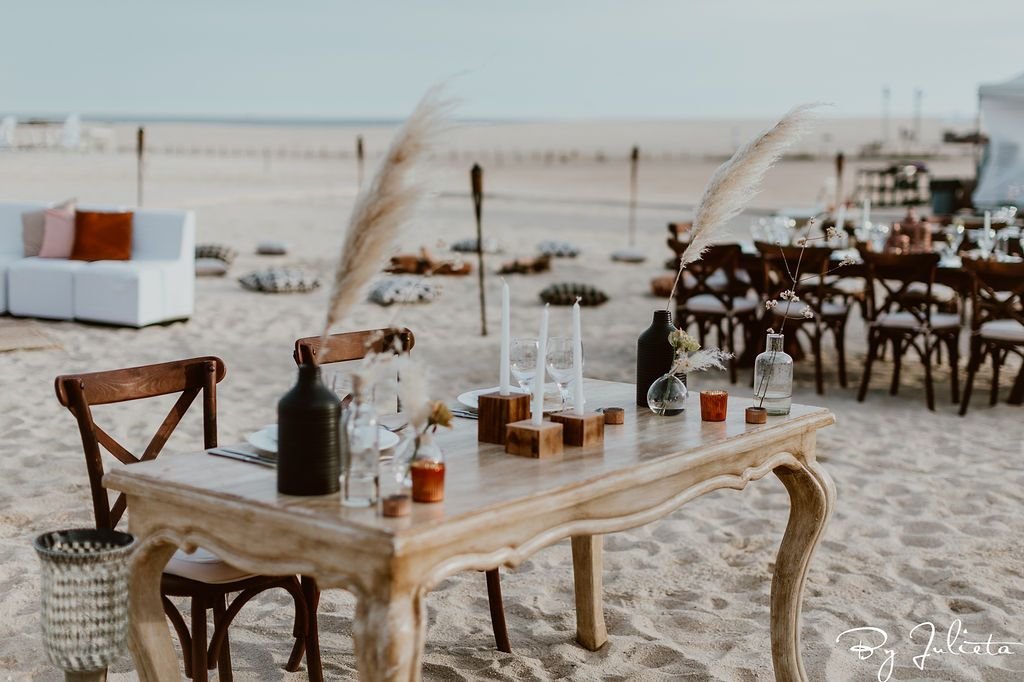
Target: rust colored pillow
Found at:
x=102, y=236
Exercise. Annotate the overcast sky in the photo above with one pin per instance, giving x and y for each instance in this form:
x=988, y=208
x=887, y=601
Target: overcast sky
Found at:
x=511, y=59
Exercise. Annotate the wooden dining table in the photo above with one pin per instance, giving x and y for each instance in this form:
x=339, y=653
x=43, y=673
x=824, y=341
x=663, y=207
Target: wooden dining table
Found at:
x=498, y=510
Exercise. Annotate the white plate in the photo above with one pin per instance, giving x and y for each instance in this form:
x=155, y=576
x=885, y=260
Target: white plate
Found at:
x=552, y=401
x=266, y=439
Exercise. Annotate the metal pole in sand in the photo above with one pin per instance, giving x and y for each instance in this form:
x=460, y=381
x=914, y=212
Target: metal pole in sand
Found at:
x=634, y=163
x=140, y=146
x=476, y=178
x=359, y=163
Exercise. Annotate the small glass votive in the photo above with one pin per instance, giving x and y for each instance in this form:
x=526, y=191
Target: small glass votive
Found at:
x=714, y=405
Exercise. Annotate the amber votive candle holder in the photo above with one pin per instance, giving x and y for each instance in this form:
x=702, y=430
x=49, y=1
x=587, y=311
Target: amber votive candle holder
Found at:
x=427, y=481
x=714, y=405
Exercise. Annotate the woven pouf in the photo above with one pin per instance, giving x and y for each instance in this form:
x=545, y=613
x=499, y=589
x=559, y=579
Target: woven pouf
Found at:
x=84, y=596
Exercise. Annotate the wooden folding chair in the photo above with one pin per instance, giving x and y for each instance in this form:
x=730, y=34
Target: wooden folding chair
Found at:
x=203, y=578
x=352, y=346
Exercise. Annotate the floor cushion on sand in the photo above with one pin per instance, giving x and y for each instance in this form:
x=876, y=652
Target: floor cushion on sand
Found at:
x=404, y=290
x=211, y=267
x=469, y=246
x=526, y=266
x=661, y=286
x=280, y=281
x=628, y=256
x=221, y=252
x=566, y=293
x=272, y=248
x=558, y=249
x=424, y=264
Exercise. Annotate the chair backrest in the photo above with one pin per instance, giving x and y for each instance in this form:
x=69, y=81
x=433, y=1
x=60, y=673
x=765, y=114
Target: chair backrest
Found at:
x=81, y=392
x=782, y=263
x=894, y=274
x=350, y=346
x=997, y=291
x=722, y=258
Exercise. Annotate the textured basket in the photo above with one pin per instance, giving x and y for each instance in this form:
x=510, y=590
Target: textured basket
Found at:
x=84, y=596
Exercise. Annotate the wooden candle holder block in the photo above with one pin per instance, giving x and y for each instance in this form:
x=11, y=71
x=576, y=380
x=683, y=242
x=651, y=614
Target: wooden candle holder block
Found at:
x=525, y=439
x=580, y=430
x=496, y=411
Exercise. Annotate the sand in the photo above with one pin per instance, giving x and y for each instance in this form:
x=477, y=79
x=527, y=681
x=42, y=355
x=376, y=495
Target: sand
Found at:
x=928, y=520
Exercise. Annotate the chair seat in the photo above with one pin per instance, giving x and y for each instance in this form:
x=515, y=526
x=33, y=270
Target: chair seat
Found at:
x=1003, y=330
x=908, y=321
x=717, y=281
x=706, y=303
x=204, y=567
x=940, y=292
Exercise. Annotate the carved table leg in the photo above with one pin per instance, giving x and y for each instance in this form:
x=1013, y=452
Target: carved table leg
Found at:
x=812, y=496
x=149, y=637
x=389, y=632
x=587, y=566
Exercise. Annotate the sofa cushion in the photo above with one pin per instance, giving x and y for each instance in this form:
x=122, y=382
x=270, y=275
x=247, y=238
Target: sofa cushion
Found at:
x=133, y=293
x=58, y=233
x=32, y=225
x=6, y=259
x=42, y=287
x=102, y=236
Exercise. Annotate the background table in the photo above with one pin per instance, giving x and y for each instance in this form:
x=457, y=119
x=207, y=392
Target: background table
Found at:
x=498, y=510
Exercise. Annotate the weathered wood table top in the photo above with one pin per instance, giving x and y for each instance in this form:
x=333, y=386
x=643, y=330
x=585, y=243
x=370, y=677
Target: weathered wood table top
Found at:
x=498, y=510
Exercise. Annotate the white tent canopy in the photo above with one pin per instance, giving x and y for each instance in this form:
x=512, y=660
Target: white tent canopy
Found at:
x=1001, y=179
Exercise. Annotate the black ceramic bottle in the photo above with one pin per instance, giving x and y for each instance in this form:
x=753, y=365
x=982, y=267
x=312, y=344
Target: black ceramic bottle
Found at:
x=308, y=442
x=653, y=354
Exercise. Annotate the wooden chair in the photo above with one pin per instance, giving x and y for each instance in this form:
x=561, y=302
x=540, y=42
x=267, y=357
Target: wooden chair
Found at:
x=907, y=318
x=350, y=346
x=997, y=324
x=830, y=308
x=716, y=299
x=202, y=577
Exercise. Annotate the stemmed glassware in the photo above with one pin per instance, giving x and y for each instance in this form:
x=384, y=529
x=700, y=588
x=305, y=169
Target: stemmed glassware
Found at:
x=560, y=365
x=523, y=361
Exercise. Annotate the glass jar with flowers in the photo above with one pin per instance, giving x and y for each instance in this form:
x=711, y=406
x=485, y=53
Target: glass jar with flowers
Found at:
x=427, y=463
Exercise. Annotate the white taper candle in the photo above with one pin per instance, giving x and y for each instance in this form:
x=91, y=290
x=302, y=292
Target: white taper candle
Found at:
x=505, y=341
x=865, y=214
x=538, y=378
x=841, y=218
x=577, y=360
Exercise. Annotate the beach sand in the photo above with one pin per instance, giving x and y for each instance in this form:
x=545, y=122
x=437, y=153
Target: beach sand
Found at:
x=926, y=528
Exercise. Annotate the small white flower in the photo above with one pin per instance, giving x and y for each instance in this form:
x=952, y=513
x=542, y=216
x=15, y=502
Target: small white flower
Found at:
x=832, y=233
x=801, y=242
x=847, y=260
x=807, y=312
x=789, y=295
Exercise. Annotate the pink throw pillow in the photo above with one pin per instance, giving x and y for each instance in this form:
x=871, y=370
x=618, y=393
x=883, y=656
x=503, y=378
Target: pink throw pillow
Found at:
x=58, y=233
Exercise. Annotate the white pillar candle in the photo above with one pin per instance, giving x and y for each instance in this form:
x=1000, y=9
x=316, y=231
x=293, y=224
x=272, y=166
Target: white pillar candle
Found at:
x=988, y=222
x=865, y=217
x=503, y=371
x=538, y=378
x=577, y=360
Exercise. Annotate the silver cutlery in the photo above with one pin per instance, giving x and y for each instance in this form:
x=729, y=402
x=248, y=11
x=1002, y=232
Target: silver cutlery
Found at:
x=249, y=457
x=465, y=414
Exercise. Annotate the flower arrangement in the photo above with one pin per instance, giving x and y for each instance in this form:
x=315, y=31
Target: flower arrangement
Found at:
x=691, y=358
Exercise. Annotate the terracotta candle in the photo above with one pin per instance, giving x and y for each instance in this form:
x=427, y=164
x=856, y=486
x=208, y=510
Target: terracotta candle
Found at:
x=714, y=405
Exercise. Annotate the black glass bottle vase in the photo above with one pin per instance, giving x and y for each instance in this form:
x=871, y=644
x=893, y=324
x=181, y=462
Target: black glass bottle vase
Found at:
x=653, y=354
x=308, y=439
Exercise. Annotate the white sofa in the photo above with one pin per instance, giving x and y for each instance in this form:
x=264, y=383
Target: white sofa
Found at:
x=156, y=285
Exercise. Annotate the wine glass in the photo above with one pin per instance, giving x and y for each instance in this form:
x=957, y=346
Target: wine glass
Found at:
x=560, y=366
x=986, y=240
x=523, y=361
x=955, y=237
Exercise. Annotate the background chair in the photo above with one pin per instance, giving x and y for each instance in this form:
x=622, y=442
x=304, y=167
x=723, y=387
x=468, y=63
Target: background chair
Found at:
x=997, y=324
x=350, y=346
x=716, y=298
x=201, y=576
x=814, y=289
x=907, y=318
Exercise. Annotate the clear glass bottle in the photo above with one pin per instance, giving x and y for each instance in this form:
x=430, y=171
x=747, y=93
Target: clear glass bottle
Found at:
x=773, y=377
x=667, y=395
x=427, y=469
x=361, y=483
